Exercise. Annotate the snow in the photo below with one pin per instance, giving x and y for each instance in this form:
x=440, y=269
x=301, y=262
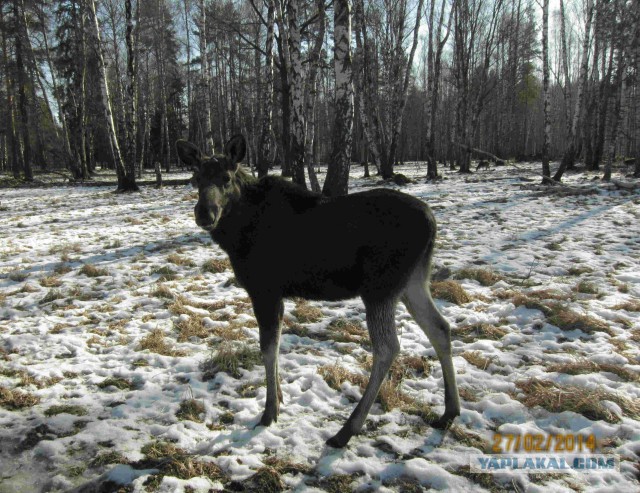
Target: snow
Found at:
x=495, y=220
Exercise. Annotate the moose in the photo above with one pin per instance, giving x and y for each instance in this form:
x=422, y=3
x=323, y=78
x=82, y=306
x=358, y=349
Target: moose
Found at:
x=285, y=241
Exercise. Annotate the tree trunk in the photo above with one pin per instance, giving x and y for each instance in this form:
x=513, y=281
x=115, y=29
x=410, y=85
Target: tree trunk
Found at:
x=297, y=94
x=22, y=91
x=123, y=184
x=311, y=95
x=131, y=115
x=569, y=156
x=546, y=170
x=206, y=82
x=337, y=179
x=267, y=97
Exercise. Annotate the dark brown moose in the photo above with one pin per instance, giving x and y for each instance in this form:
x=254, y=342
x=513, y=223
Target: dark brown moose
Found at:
x=284, y=241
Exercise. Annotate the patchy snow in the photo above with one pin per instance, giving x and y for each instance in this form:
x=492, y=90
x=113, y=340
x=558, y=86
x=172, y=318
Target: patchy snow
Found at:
x=86, y=275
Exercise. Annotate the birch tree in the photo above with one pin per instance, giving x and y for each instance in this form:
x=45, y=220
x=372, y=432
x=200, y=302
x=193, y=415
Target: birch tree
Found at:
x=546, y=171
x=338, y=171
x=572, y=135
x=126, y=183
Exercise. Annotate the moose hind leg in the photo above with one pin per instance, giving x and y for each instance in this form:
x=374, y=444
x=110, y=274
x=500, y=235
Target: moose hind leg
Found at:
x=418, y=301
x=269, y=315
x=384, y=341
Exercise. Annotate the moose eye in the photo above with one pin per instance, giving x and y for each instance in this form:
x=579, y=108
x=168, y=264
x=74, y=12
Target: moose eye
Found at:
x=226, y=179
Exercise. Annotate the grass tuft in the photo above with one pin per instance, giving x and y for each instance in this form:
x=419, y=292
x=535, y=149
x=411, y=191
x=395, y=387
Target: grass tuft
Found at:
x=119, y=383
x=584, y=366
x=17, y=399
x=471, y=333
x=477, y=359
x=558, y=398
x=162, y=291
x=450, y=291
x=156, y=342
x=191, y=410
x=216, y=266
x=630, y=306
x=90, y=270
x=191, y=327
x=176, y=259
x=485, y=277
x=230, y=358
x=306, y=313
x=66, y=409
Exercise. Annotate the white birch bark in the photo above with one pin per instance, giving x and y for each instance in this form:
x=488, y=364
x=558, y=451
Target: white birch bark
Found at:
x=104, y=91
x=338, y=172
x=546, y=171
x=206, y=80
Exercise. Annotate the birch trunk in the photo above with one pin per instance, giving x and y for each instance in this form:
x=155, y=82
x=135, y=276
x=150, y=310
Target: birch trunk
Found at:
x=267, y=96
x=104, y=91
x=131, y=114
x=338, y=171
x=401, y=95
x=311, y=95
x=206, y=82
x=569, y=156
x=546, y=171
x=297, y=94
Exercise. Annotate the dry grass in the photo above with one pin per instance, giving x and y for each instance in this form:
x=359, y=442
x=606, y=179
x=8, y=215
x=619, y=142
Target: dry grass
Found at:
x=561, y=316
x=265, y=480
x=216, y=266
x=165, y=273
x=566, y=319
x=157, y=343
x=306, y=313
x=586, y=287
x=117, y=382
x=176, y=259
x=191, y=327
x=477, y=359
x=17, y=399
x=487, y=481
x=345, y=330
x=473, y=440
x=191, y=410
x=468, y=394
x=50, y=282
x=584, y=366
x=450, y=291
x=287, y=466
x=62, y=269
x=404, y=366
x=630, y=306
x=162, y=291
x=26, y=379
x=588, y=402
x=230, y=358
x=485, y=277
x=390, y=396
x=66, y=409
x=110, y=457
x=174, y=461
x=90, y=270
x=52, y=295
x=470, y=333
x=579, y=270
x=233, y=331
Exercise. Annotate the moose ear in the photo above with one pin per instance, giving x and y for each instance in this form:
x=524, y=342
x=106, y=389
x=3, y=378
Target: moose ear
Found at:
x=235, y=149
x=189, y=153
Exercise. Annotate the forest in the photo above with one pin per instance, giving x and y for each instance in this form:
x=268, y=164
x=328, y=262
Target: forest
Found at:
x=103, y=84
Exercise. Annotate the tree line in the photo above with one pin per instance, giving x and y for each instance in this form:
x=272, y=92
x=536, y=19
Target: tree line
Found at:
x=89, y=84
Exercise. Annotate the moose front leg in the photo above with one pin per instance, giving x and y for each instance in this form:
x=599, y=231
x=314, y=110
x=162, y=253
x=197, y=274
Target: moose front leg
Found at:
x=269, y=314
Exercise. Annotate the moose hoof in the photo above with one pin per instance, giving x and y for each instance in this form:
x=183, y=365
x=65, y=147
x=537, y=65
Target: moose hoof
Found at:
x=444, y=422
x=339, y=440
x=267, y=419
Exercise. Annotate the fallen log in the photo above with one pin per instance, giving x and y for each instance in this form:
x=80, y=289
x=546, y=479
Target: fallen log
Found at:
x=625, y=185
x=495, y=158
